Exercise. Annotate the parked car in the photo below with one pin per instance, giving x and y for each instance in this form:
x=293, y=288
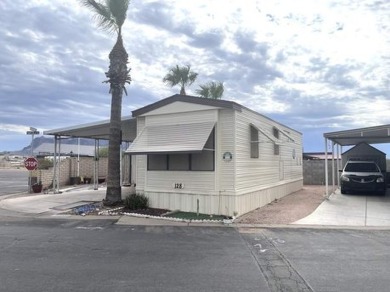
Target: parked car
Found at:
x=358, y=176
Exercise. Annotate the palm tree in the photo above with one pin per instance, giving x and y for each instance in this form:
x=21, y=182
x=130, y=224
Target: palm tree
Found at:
x=111, y=16
x=213, y=90
x=182, y=76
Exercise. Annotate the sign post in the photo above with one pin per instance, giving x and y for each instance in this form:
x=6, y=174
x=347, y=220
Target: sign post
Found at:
x=30, y=164
x=33, y=131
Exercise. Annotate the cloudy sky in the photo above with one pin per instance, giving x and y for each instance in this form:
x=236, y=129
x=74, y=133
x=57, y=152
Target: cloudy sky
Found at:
x=316, y=66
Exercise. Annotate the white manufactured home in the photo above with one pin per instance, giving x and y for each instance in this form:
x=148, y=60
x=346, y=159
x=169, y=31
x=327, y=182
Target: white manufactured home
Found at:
x=217, y=156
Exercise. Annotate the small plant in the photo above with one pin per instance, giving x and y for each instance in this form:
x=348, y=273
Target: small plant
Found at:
x=136, y=201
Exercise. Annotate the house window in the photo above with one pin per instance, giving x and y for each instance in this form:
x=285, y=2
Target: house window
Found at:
x=157, y=162
x=178, y=162
x=254, y=142
x=203, y=161
x=276, y=146
x=276, y=133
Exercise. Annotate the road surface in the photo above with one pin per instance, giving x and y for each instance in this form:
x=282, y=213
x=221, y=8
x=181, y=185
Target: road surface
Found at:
x=13, y=181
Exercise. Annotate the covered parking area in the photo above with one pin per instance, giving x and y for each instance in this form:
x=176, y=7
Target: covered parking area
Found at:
x=97, y=131
x=340, y=139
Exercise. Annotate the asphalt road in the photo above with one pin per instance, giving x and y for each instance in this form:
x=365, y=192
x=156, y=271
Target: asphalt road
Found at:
x=323, y=260
x=13, y=181
x=96, y=255
x=56, y=255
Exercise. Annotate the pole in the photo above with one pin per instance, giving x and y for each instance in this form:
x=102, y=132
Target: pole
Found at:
x=78, y=157
x=32, y=132
x=55, y=166
x=326, y=169
x=333, y=166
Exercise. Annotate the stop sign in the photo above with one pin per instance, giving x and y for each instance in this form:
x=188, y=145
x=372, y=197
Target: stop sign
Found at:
x=31, y=163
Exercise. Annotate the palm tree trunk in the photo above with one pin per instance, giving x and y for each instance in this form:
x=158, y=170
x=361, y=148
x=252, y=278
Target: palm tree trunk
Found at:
x=118, y=76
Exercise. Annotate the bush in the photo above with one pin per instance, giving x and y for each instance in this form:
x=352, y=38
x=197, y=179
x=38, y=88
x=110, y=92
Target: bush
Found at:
x=136, y=201
x=44, y=163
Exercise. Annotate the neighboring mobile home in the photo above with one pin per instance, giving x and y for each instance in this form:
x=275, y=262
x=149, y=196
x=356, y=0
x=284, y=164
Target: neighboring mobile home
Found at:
x=215, y=156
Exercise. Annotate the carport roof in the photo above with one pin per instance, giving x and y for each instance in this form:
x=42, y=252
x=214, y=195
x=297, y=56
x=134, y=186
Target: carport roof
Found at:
x=369, y=135
x=98, y=130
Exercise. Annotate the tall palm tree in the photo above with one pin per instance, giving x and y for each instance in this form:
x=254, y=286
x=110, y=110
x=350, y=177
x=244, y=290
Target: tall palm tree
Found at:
x=111, y=15
x=213, y=90
x=182, y=76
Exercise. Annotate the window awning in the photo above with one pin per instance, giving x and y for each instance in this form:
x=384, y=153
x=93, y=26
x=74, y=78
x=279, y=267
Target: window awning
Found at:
x=182, y=138
x=269, y=136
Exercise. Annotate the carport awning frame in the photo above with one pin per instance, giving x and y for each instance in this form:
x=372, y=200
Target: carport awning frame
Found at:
x=98, y=130
x=180, y=138
x=369, y=135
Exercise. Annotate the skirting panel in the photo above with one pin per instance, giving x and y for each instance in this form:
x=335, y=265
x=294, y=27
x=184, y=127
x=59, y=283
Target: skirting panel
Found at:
x=253, y=200
x=223, y=204
x=208, y=204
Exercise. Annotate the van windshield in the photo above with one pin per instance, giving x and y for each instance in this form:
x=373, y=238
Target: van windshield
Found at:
x=361, y=167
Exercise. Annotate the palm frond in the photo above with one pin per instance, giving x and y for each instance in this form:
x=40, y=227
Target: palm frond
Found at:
x=182, y=76
x=203, y=91
x=103, y=15
x=118, y=10
x=211, y=89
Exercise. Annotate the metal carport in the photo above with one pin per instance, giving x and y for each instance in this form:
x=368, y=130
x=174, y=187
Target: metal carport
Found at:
x=369, y=135
x=98, y=131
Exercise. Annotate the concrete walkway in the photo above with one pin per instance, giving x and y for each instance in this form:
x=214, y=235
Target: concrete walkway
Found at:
x=351, y=210
x=57, y=205
x=338, y=210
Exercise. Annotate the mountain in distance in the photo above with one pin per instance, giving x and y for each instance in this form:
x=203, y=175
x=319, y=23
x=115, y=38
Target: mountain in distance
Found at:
x=72, y=141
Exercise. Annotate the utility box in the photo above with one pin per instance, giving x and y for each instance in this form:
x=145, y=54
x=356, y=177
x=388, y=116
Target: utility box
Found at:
x=364, y=151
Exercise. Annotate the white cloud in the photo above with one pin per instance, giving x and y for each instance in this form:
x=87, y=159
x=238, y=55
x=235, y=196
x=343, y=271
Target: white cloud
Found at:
x=313, y=65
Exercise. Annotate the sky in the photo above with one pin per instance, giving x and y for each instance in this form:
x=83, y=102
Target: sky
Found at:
x=315, y=66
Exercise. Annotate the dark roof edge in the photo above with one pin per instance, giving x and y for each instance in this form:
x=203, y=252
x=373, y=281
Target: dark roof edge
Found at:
x=202, y=101
x=187, y=98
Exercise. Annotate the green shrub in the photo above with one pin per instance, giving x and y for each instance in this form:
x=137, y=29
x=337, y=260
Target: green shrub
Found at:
x=44, y=163
x=136, y=201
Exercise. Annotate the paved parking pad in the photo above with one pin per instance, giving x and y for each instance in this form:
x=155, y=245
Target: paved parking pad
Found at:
x=351, y=210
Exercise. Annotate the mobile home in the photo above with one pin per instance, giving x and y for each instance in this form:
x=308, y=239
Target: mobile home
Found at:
x=215, y=156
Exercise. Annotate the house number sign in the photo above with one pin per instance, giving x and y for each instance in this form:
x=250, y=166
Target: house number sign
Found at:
x=178, y=185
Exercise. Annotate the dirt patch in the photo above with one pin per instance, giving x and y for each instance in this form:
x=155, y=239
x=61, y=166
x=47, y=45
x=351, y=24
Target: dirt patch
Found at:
x=287, y=209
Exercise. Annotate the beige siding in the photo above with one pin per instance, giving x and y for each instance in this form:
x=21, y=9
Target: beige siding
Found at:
x=201, y=182
x=225, y=143
x=269, y=169
x=179, y=107
x=140, y=160
x=184, y=117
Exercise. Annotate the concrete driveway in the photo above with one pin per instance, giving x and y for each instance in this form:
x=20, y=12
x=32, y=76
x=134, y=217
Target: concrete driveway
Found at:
x=351, y=210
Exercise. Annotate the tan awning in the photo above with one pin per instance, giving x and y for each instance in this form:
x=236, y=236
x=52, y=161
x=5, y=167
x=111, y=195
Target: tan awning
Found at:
x=182, y=138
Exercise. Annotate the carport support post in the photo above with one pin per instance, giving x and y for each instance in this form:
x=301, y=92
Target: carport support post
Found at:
x=333, y=165
x=96, y=165
x=338, y=164
x=326, y=169
x=55, y=165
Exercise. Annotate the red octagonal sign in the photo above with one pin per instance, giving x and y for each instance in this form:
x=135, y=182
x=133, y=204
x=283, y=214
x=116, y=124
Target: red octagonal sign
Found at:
x=31, y=163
